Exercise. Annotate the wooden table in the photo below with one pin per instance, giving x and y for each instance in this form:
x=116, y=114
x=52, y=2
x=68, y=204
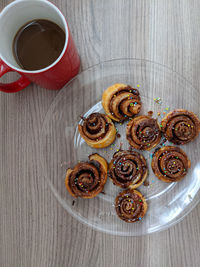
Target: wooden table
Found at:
x=34, y=229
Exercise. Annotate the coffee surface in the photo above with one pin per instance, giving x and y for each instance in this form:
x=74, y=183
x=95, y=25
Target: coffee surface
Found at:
x=38, y=44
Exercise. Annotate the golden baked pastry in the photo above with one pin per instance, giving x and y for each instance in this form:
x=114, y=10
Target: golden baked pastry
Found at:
x=128, y=169
x=87, y=179
x=170, y=164
x=98, y=130
x=180, y=126
x=121, y=101
x=143, y=132
x=130, y=205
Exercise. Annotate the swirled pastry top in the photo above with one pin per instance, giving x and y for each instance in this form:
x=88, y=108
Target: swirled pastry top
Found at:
x=128, y=169
x=180, y=126
x=97, y=130
x=143, y=132
x=121, y=101
x=130, y=205
x=170, y=164
x=87, y=179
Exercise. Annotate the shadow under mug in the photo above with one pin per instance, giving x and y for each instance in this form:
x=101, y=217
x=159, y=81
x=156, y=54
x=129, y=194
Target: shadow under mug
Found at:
x=53, y=77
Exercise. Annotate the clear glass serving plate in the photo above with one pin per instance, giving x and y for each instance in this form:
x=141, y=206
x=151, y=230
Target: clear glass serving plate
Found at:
x=161, y=90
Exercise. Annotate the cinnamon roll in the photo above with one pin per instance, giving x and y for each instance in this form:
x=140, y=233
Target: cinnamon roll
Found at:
x=180, y=126
x=128, y=169
x=130, y=205
x=87, y=179
x=170, y=164
x=143, y=132
x=121, y=101
x=97, y=130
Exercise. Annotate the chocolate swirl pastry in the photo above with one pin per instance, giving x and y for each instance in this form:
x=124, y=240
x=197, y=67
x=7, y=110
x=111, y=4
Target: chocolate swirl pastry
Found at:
x=97, y=130
x=87, y=179
x=143, y=132
x=180, y=126
x=121, y=101
x=130, y=205
x=170, y=164
x=128, y=169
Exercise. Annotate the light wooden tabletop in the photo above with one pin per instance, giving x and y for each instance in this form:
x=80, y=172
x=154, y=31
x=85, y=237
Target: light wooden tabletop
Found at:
x=34, y=229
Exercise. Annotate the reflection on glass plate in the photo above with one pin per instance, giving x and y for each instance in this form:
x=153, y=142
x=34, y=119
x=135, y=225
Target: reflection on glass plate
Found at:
x=161, y=90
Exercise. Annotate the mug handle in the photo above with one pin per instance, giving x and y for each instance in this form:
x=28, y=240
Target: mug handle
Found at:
x=13, y=87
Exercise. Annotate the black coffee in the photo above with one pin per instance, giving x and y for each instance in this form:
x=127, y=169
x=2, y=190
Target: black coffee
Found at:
x=38, y=44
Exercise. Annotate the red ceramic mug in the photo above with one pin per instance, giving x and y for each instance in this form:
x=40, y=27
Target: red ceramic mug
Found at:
x=53, y=77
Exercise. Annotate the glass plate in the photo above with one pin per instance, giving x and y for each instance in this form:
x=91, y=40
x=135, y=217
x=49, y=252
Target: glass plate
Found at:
x=161, y=90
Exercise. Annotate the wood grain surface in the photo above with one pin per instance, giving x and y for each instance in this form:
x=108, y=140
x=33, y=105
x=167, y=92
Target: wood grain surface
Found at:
x=34, y=229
